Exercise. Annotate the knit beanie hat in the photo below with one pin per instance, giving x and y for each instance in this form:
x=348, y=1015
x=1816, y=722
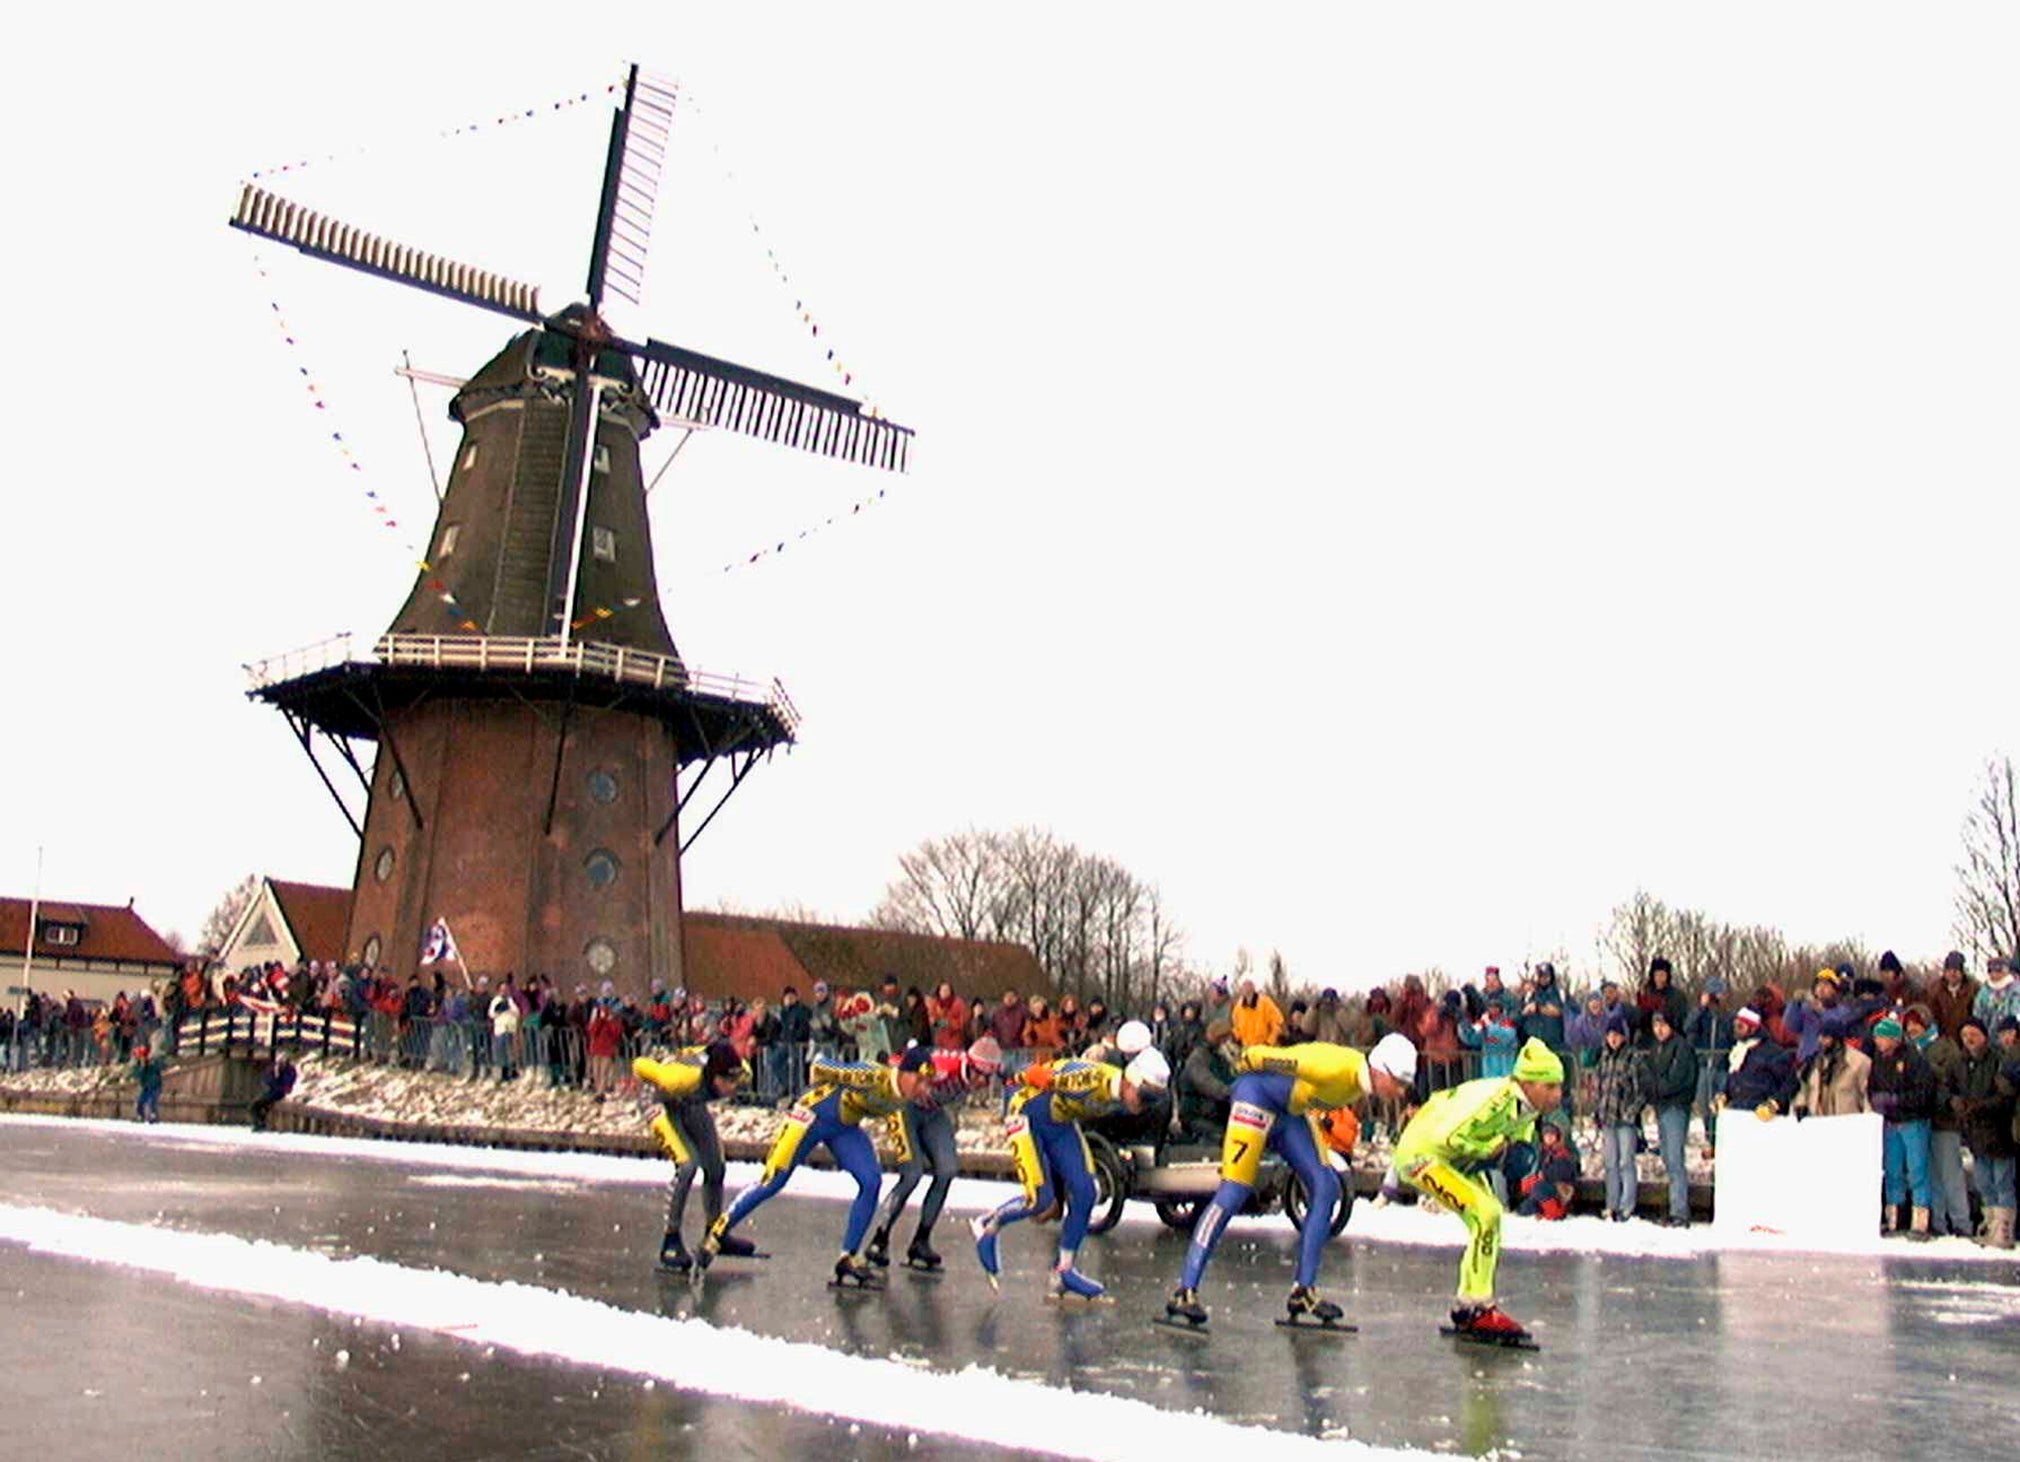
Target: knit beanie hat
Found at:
x=1888, y=1026
x=1747, y=1016
x=1537, y=1062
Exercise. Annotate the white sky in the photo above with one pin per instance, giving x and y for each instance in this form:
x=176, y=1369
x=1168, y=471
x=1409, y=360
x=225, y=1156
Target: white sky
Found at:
x=1399, y=480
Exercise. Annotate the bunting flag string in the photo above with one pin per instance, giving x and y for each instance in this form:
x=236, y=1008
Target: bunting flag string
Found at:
x=319, y=401
x=773, y=550
x=503, y=119
x=844, y=372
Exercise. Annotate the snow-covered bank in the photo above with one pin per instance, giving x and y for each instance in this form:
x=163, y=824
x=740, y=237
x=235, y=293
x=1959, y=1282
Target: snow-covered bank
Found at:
x=1399, y=1224
x=976, y=1404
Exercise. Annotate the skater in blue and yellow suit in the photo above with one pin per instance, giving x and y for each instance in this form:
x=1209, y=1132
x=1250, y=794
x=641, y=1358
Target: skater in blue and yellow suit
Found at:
x=831, y=1113
x=1278, y=1098
x=1051, y=1153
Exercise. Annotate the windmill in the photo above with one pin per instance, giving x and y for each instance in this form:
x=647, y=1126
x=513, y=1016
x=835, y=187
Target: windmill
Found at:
x=539, y=736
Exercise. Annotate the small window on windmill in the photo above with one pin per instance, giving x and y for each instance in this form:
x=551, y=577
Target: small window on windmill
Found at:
x=603, y=543
x=371, y=951
x=449, y=537
x=602, y=458
x=469, y=456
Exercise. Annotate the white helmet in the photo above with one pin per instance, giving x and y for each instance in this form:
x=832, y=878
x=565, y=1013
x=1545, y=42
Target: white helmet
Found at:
x=1131, y=1037
x=1148, y=1068
x=1394, y=1056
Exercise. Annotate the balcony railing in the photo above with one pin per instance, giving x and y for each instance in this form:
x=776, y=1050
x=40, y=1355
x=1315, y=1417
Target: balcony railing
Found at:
x=509, y=654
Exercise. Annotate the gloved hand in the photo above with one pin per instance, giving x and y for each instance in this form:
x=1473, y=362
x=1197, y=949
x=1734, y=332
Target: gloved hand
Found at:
x=1766, y=1111
x=1883, y=1103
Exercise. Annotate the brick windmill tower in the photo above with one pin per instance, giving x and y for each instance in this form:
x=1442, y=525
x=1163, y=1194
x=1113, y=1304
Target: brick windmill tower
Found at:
x=539, y=738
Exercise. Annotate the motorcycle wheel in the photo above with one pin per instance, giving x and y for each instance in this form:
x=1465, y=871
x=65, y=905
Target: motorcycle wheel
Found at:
x=1296, y=1203
x=1179, y=1213
x=1111, y=1184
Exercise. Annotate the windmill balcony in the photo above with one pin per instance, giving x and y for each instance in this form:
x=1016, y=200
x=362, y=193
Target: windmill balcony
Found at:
x=445, y=660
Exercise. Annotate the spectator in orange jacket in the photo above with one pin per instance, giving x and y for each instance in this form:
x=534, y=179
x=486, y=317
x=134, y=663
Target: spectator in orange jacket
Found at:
x=1042, y=1034
x=1256, y=1019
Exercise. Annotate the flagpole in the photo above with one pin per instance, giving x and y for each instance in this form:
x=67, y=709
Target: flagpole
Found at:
x=28, y=944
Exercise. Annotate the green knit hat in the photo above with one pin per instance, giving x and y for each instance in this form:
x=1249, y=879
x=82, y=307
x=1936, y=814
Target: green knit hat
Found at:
x=1888, y=1026
x=1537, y=1062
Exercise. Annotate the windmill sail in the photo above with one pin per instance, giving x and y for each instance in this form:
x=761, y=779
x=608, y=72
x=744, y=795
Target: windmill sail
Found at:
x=690, y=386
x=639, y=136
x=271, y=216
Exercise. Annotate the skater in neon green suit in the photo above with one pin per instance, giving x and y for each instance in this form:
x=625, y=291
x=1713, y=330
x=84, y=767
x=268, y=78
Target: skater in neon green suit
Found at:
x=1458, y=1131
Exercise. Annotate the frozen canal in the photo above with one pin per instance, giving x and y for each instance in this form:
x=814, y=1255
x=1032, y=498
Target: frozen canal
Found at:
x=1709, y=1355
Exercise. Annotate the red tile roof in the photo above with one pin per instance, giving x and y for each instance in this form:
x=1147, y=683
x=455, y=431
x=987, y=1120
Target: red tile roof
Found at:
x=110, y=933
x=318, y=917
x=729, y=954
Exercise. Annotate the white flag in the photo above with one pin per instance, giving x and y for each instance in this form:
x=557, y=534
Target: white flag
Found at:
x=441, y=944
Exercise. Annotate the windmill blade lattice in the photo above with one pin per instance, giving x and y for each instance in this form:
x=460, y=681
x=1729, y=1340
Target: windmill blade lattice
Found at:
x=639, y=143
x=271, y=216
x=693, y=387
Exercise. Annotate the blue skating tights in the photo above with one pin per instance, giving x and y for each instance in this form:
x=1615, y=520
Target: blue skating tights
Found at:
x=1062, y=1154
x=853, y=1151
x=1291, y=1137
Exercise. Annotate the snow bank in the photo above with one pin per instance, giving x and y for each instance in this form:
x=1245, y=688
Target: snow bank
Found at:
x=976, y=1404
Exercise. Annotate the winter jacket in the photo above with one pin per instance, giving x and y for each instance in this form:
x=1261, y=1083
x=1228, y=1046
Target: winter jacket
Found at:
x=1995, y=1002
x=1259, y=1023
x=1984, y=1105
x=1542, y=1016
x=1802, y=1020
x=1326, y=1020
x=1834, y=1084
x=1496, y=1042
x=606, y=1032
x=1760, y=1070
x=1671, y=1073
x=1042, y=1036
x=1946, y=1060
x=1620, y=1092
x=796, y=1024
x=1204, y=1085
x=1671, y=1002
x=1952, y=1008
x=1709, y=1032
x=1006, y=1024
x=1902, y=1085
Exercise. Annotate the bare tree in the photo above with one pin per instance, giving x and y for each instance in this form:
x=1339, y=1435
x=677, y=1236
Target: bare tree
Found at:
x=1163, y=943
x=1988, y=879
x=217, y=924
x=956, y=887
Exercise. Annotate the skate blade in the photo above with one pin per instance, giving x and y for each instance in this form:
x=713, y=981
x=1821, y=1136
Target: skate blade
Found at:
x=1491, y=1342
x=926, y=1271
x=678, y=1271
x=1334, y=1327
x=1071, y=1301
x=1179, y=1323
x=853, y=1286
x=759, y=1254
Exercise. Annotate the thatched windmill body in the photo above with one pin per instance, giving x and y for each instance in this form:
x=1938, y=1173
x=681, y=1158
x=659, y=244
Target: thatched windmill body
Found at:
x=539, y=739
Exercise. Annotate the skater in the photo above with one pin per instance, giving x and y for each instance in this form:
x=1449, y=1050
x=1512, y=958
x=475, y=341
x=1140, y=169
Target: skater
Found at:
x=1278, y=1098
x=277, y=1082
x=686, y=1131
x=923, y=1134
x=146, y=1069
x=1052, y=1157
x=830, y=1113
x=1463, y=1128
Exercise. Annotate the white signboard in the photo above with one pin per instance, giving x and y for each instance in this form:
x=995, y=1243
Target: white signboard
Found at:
x=1816, y=1180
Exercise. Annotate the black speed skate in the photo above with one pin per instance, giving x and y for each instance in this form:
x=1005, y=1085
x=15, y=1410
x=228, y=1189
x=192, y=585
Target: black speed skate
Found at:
x=1488, y=1324
x=736, y=1246
x=1304, y=1310
x=919, y=1256
x=854, y=1275
x=879, y=1252
x=1184, y=1312
x=673, y=1255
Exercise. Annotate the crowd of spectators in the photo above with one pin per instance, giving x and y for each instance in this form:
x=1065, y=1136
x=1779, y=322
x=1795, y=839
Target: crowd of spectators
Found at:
x=1938, y=1060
